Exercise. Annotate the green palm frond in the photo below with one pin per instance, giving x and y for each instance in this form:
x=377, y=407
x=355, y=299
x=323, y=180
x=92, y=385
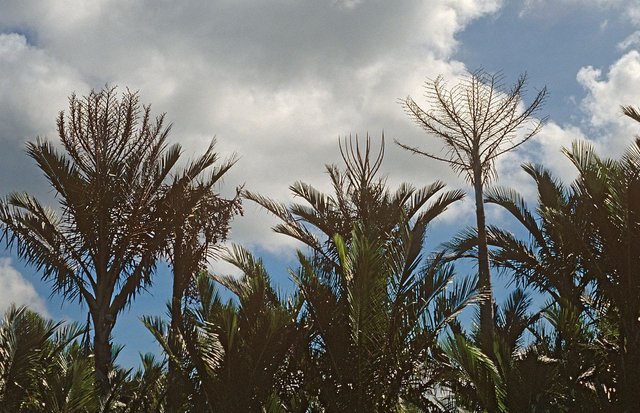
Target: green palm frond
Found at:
x=42, y=367
x=551, y=192
x=631, y=112
x=480, y=377
x=514, y=203
x=439, y=206
x=462, y=244
x=452, y=301
x=69, y=386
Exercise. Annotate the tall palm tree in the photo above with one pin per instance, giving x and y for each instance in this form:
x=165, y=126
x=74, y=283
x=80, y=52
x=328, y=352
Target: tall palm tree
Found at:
x=102, y=243
x=582, y=253
x=477, y=120
x=374, y=303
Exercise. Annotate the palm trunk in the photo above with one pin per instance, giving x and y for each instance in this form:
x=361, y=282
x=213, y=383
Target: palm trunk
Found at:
x=630, y=366
x=180, y=284
x=484, y=275
x=484, y=279
x=102, y=327
x=173, y=374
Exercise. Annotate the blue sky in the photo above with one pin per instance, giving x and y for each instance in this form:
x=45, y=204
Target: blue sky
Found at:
x=277, y=82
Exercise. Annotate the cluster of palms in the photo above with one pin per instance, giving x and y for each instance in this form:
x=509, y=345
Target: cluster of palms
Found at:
x=373, y=323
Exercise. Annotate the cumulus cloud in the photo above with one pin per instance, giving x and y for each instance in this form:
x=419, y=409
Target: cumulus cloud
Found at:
x=34, y=86
x=606, y=92
x=602, y=124
x=17, y=290
x=276, y=82
x=544, y=149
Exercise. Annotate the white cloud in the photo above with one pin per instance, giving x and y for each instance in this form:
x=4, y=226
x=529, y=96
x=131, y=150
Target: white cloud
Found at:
x=276, y=82
x=34, y=86
x=633, y=40
x=603, y=124
x=17, y=290
x=606, y=93
x=547, y=149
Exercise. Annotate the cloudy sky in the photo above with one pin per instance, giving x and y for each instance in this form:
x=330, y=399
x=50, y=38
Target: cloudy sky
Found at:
x=279, y=81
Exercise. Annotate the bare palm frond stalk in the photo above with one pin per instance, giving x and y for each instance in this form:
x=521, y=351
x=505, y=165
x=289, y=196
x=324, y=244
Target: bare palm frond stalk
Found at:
x=477, y=120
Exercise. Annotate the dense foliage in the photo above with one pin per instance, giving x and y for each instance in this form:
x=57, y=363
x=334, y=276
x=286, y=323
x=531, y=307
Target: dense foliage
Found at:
x=372, y=324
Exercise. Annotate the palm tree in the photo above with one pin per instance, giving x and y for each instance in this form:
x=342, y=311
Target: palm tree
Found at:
x=375, y=321
x=374, y=304
x=199, y=220
x=518, y=377
x=582, y=253
x=233, y=355
x=41, y=366
x=547, y=262
x=477, y=120
x=360, y=197
x=143, y=391
x=550, y=263
x=258, y=335
x=101, y=246
x=44, y=368
x=608, y=208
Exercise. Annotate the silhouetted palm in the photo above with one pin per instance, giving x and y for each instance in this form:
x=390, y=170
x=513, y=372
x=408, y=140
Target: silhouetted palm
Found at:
x=550, y=262
x=608, y=208
x=233, y=355
x=199, y=220
x=41, y=370
x=375, y=321
x=101, y=246
x=517, y=378
x=477, y=120
x=583, y=254
x=360, y=196
x=375, y=305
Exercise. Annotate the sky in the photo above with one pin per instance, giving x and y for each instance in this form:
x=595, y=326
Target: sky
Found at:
x=278, y=82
